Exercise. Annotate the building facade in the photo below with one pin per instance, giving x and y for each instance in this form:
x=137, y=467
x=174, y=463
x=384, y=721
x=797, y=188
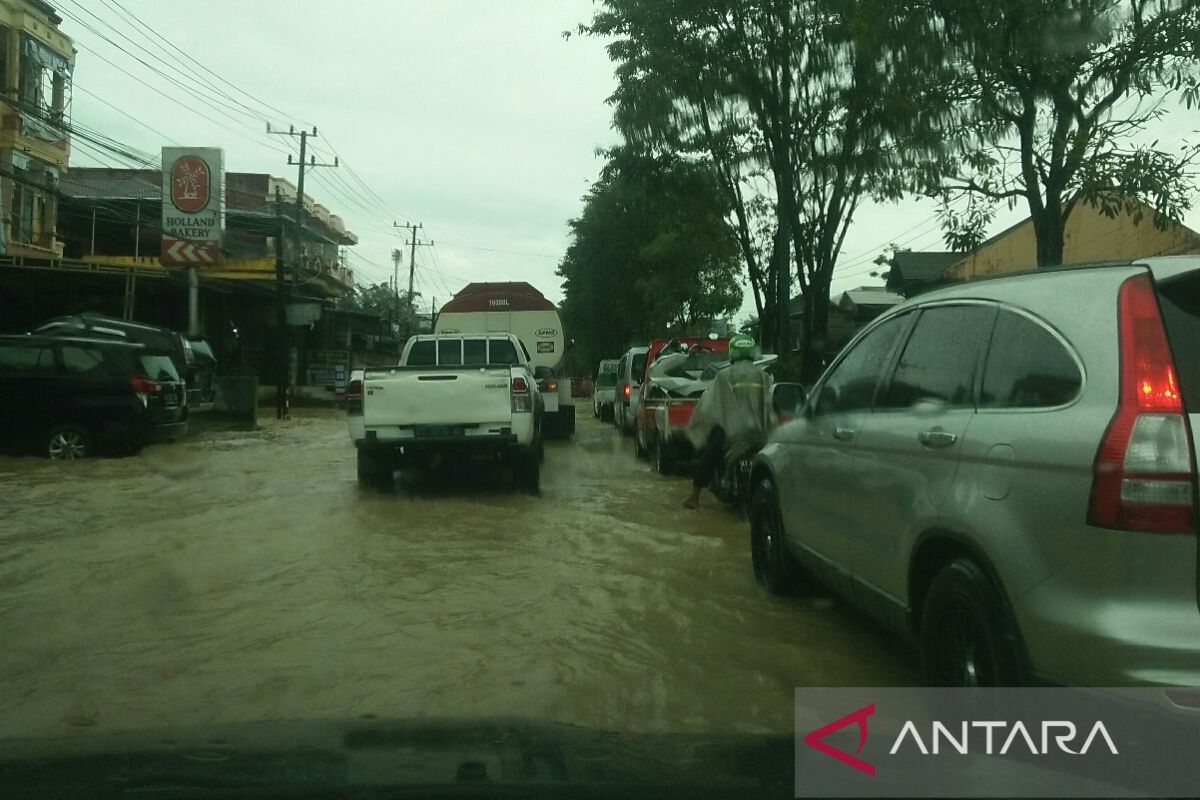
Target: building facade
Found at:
x=36, y=63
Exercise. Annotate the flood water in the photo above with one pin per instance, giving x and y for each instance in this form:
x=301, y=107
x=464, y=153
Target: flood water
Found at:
x=244, y=576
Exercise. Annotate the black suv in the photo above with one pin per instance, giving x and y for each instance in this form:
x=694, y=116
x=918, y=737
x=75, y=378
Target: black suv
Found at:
x=193, y=358
x=72, y=397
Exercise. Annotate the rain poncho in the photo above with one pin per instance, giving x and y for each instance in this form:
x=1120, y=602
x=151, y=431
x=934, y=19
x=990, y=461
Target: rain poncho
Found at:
x=737, y=402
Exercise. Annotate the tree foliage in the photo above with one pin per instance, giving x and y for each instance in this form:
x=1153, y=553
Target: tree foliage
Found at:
x=1053, y=94
x=651, y=254
x=379, y=300
x=809, y=94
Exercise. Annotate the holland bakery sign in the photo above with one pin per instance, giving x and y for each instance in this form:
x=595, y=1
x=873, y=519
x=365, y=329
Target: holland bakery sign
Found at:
x=193, y=209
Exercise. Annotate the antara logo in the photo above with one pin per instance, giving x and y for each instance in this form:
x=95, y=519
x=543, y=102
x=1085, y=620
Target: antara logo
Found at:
x=1012, y=737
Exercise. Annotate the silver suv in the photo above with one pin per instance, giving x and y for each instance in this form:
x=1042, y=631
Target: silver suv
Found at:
x=1005, y=471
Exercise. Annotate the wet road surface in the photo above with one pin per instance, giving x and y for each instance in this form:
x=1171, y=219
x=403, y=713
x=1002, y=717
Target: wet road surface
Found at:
x=244, y=576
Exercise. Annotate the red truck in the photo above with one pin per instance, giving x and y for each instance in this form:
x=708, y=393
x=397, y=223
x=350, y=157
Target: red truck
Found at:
x=669, y=395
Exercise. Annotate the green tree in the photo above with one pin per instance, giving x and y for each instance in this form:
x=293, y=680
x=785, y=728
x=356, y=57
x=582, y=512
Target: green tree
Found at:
x=651, y=254
x=817, y=94
x=1053, y=94
x=379, y=300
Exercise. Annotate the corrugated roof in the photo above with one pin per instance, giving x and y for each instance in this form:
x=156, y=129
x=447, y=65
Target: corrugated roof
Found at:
x=922, y=266
x=109, y=185
x=869, y=297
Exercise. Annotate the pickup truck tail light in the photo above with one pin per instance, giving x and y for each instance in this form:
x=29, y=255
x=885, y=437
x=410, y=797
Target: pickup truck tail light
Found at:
x=143, y=388
x=522, y=399
x=1144, y=470
x=354, y=397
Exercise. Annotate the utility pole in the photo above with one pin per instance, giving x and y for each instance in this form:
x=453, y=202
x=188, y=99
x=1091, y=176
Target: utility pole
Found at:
x=412, y=259
x=281, y=375
x=281, y=401
x=397, y=257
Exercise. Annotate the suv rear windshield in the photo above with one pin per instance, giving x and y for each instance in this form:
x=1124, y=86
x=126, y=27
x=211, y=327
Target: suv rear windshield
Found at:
x=1179, y=299
x=157, y=367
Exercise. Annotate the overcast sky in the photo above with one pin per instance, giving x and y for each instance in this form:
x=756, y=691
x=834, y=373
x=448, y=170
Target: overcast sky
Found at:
x=473, y=117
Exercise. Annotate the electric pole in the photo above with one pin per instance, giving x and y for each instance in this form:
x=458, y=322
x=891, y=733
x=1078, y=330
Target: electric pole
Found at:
x=281, y=375
x=397, y=257
x=412, y=260
x=284, y=388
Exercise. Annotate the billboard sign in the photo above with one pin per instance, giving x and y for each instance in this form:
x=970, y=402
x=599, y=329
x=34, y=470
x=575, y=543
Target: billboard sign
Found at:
x=193, y=206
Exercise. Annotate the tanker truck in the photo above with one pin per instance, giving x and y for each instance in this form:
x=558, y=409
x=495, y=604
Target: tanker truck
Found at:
x=520, y=309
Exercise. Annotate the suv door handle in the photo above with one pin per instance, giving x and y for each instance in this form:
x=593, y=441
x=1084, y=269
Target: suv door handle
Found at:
x=843, y=434
x=936, y=438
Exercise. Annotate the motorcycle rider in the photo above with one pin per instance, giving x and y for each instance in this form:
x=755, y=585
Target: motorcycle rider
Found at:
x=731, y=415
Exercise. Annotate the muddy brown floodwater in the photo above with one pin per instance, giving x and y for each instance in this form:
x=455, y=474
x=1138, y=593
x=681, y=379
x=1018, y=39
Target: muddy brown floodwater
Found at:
x=244, y=576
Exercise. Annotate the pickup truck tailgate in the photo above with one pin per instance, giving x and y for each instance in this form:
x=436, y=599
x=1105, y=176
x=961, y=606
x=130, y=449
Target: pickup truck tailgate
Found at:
x=436, y=396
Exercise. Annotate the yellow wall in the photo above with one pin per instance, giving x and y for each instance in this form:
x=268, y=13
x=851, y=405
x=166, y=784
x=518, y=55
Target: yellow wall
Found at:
x=1090, y=236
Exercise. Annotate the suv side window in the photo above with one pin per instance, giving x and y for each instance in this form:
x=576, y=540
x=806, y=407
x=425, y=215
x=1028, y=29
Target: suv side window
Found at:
x=27, y=359
x=851, y=385
x=942, y=358
x=1027, y=367
x=81, y=361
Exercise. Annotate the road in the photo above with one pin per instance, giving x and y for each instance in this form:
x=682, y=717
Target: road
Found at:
x=244, y=576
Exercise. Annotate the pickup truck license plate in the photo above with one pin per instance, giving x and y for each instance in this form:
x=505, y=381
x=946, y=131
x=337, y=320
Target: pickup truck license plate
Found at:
x=438, y=431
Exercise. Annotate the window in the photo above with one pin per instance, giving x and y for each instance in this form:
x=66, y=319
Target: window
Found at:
x=449, y=352
x=422, y=354
x=851, y=385
x=80, y=361
x=503, y=352
x=942, y=357
x=1027, y=367
x=158, y=368
x=1179, y=299
x=475, y=352
x=28, y=359
x=638, y=370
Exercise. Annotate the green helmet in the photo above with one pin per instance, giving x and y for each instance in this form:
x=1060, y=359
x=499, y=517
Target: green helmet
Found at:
x=741, y=348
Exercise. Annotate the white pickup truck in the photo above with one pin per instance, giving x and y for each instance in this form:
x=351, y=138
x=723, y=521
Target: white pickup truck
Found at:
x=451, y=396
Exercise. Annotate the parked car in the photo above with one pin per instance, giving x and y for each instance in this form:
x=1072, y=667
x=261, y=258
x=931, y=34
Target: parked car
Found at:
x=1005, y=471
x=604, y=393
x=69, y=397
x=193, y=358
x=669, y=394
x=630, y=373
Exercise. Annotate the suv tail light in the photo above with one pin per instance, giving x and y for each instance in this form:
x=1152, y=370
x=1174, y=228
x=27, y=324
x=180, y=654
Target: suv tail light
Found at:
x=522, y=400
x=1144, y=471
x=143, y=388
x=625, y=391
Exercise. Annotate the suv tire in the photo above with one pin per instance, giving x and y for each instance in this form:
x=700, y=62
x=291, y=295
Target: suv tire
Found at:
x=67, y=442
x=774, y=568
x=966, y=637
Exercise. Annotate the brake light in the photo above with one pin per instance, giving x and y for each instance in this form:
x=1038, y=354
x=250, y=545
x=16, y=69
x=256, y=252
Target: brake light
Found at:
x=145, y=386
x=626, y=391
x=354, y=397
x=522, y=400
x=551, y=386
x=1144, y=469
